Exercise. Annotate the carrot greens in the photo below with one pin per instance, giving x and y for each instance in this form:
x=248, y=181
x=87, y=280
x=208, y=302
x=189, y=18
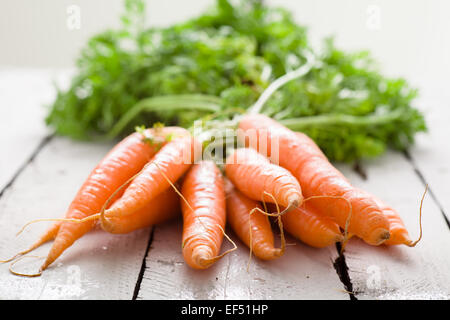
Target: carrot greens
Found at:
x=218, y=64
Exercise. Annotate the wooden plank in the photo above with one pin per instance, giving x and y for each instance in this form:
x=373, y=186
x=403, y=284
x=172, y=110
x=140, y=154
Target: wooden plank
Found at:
x=431, y=154
x=98, y=266
x=23, y=94
x=302, y=273
x=400, y=272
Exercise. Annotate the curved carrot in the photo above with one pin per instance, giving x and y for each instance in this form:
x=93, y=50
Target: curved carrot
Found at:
x=244, y=220
x=169, y=164
x=399, y=233
x=162, y=208
x=204, y=215
x=317, y=177
x=257, y=178
x=308, y=225
x=126, y=159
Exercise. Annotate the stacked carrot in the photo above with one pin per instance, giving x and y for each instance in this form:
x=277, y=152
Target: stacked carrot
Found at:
x=151, y=176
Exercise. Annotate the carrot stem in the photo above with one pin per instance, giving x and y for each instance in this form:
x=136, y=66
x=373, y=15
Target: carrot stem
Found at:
x=175, y=103
x=281, y=81
x=324, y=120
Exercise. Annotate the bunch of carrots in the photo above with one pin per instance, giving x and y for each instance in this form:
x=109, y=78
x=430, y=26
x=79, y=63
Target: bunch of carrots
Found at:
x=154, y=174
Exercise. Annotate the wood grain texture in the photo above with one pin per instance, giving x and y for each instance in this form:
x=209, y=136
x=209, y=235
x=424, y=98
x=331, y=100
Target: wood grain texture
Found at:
x=23, y=95
x=431, y=153
x=400, y=272
x=98, y=266
x=302, y=273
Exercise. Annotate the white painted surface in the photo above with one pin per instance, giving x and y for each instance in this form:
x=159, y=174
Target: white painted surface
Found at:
x=23, y=96
x=431, y=154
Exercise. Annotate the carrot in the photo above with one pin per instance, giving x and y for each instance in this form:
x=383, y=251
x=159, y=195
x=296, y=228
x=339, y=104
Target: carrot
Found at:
x=252, y=227
x=308, y=225
x=317, y=177
x=163, y=207
x=257, y=178
x=167, y=166
x=204, y=215
x=399, y=233
x=126, y=159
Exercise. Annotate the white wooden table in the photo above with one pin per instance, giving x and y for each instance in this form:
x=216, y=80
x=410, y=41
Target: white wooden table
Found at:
x=39, y=174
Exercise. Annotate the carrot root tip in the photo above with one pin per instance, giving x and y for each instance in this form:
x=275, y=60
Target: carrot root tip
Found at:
x=202, y=256
x=278, y=252
x=411, y=243
x=292, y=205
x=380, y=235
x=32, y=275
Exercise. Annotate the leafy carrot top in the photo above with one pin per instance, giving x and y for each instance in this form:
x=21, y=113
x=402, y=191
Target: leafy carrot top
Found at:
x=219, y=63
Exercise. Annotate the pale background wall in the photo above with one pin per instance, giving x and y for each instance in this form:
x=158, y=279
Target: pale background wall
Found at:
x=408, y=38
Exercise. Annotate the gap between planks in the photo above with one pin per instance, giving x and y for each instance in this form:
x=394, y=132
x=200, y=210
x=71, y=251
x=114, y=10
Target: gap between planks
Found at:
x=29, y=160
x=137, y=287
x=422, y=178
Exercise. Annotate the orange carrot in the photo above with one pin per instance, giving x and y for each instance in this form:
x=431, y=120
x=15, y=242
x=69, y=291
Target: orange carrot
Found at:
x=251, y=226
x=317, y=177
x=257, y=178
x=126, y=159
x=399, y=233
x=308, y=225
x=204, y=215
x=168, y=165
x=162, y=208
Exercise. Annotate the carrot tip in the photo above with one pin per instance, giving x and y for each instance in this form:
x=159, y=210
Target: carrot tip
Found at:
x=385, y=235
x=380, y=235
x=341, y=238
x=202, y=256
x=292, y=205
x=278, y=252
